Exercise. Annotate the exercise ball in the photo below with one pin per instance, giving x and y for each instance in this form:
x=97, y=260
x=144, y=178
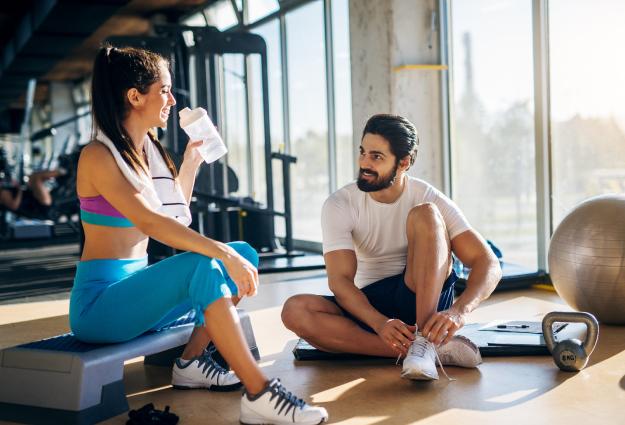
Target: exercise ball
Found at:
x=587, y=258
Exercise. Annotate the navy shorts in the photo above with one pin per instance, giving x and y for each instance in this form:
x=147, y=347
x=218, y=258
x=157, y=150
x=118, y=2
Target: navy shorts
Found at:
x=391, y=297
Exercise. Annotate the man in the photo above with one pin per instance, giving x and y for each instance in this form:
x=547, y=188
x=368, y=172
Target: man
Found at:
x=35, y=200
x=387, y=243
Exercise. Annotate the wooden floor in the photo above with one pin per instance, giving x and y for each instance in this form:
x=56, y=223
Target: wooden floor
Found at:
x=503, y=391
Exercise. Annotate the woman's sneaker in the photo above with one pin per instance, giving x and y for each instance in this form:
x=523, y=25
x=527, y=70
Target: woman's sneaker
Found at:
x=203, y=372
x=460, y=351
x=275, y=405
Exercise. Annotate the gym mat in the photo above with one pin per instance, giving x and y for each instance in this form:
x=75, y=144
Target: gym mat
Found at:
x=492, y=343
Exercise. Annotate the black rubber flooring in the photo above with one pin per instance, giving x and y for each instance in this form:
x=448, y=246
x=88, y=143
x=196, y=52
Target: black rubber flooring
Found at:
x=27, y=270
x=47, y=266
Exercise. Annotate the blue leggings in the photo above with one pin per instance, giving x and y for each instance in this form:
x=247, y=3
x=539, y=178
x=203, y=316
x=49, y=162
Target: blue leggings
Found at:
x=117, y=300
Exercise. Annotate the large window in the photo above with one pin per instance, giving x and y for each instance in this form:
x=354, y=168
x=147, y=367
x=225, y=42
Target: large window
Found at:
x=308, y=117
x=587, y=100
x=235, y=134
x=304, y=75
x=271, y=34
x=345, y=152
x=493, y=171
x=493, y=122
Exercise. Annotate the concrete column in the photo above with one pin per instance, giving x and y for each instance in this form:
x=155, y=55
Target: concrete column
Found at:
x=385, y=35
x=370, y=24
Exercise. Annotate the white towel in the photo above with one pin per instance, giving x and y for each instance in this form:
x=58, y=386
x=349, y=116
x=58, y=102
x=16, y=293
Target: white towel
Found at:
x=159, y=189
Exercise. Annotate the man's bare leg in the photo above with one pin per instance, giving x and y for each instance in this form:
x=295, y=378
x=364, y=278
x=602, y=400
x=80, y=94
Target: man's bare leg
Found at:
x=429, y=258
x=321, y=323
x=427, y=266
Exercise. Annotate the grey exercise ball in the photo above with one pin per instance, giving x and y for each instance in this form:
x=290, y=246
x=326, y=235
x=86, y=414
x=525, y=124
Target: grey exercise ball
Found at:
x=587, y=258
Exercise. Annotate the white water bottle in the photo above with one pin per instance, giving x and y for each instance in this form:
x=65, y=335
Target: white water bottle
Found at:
x=198, y=126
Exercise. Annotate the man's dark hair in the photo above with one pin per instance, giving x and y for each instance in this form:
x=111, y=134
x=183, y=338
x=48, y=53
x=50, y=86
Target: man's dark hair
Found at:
x=400, y=133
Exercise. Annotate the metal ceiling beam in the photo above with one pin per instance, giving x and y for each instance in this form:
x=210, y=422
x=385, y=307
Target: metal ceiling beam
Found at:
x=46, y=35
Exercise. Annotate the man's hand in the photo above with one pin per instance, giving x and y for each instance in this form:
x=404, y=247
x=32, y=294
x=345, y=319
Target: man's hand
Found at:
x=442, y=325
x=396, y=334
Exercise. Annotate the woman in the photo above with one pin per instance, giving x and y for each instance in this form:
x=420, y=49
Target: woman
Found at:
x=116, y=297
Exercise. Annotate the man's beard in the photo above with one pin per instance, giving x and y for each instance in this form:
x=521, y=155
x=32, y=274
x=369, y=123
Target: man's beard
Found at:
x=379, y=183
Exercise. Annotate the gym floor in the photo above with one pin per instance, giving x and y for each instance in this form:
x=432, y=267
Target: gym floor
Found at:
x=503, y=390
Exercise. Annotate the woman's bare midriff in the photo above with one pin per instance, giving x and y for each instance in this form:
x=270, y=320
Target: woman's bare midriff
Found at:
x=103, y=242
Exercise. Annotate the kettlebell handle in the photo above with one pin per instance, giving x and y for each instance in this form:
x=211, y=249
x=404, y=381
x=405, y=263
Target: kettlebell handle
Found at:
x=592, y=328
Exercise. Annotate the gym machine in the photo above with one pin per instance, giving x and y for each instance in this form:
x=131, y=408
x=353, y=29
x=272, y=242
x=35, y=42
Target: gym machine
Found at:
x=196, y=56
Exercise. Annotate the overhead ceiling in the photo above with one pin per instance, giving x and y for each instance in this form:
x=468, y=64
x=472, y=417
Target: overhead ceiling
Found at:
x=56, y=40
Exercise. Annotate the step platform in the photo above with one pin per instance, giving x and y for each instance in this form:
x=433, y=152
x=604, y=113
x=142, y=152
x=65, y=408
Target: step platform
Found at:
x=62, y=380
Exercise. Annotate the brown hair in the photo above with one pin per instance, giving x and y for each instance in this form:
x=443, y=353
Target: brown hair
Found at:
x=115, y=71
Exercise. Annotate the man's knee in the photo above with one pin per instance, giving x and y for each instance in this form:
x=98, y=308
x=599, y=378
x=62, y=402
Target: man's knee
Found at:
x=425, y=216
x=294, y=312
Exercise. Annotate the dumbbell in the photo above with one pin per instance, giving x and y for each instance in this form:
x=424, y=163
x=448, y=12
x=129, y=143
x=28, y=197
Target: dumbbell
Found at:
x=571, y=355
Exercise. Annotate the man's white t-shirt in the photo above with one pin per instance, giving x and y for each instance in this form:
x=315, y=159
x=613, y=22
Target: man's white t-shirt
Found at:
x=351, y=219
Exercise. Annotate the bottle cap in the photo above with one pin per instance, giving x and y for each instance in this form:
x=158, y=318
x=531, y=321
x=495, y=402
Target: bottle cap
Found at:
x=187, y=116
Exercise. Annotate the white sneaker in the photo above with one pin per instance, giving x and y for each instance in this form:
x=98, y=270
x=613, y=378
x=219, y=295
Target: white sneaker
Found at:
x=203, y=372
x=460, y=351
x=275, y=405
x=420, y=363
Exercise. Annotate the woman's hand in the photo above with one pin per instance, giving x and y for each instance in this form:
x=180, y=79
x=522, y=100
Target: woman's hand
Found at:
x=191, y=154
x=242, y=273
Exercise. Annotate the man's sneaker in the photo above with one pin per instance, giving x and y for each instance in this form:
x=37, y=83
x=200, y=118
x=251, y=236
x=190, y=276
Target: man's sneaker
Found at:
x=460, y=351
x=203, y=372
x=275, y=405
x=420, y=363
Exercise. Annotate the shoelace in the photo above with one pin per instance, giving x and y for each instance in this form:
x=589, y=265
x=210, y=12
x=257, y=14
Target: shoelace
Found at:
x=421, y=346
x=211, y=367
x=211, y=349
x=286, y=399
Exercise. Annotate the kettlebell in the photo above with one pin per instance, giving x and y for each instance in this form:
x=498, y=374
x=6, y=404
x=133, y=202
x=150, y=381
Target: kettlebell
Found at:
x=571, y=355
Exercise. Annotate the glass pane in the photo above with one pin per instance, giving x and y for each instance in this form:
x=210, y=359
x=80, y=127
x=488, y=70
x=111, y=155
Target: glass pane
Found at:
x=308, y=118
x=493, y=155
x=345, y=152
x=258, y=9
x=271, y=34
x=236, y=120
x=587, y=92
x=221, y=15
x=254, y=81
